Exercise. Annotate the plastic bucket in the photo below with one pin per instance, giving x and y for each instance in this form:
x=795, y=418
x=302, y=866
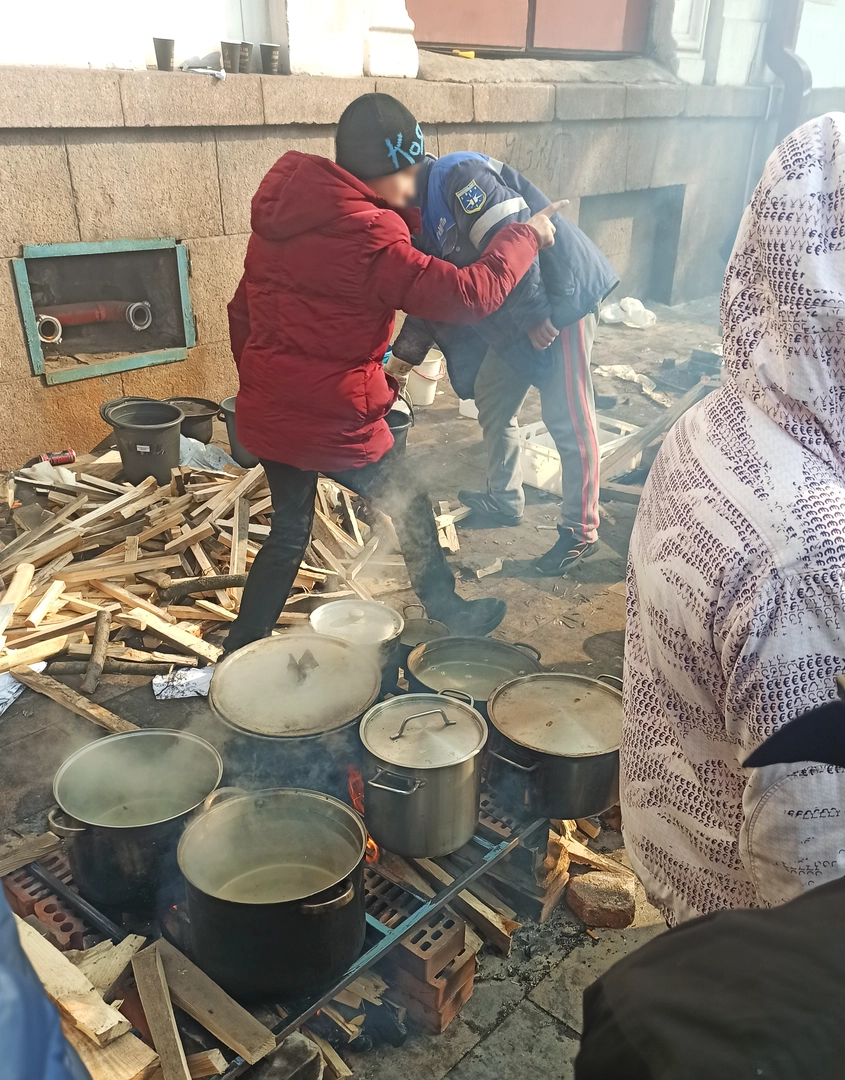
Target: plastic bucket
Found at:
x=147, y=435
x=423, y=380
x=199, y=416
x=227, y=413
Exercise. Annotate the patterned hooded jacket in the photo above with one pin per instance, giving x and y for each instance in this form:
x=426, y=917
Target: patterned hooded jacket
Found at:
x=736, y=575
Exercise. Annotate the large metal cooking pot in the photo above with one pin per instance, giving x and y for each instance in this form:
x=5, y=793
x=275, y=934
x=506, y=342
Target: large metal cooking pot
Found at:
x=422, y=773
x=369, y=625
x=556, y=753
x=418, y=631
x=475, y=666
x=295, y=701
x=124, y=801
x=274, y=883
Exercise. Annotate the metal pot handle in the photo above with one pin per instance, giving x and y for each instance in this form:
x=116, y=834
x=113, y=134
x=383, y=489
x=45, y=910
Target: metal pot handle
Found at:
x=458, y=695
x=222, y=794
x=59, y=828
x=416, y=716
x=529, y=649
x=325, y=906
x=514, y=764
x=413, y=607
x=610, y=678
x=417, y=784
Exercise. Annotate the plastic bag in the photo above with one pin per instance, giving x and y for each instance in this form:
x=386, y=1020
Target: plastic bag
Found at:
x=630, y=312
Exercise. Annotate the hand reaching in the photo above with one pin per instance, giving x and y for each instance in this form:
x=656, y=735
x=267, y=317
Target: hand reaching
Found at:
x=543, y=335
x=543, y=227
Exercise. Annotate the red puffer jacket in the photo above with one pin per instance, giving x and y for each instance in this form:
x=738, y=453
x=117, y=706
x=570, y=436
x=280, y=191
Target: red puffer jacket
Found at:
x=328, y=263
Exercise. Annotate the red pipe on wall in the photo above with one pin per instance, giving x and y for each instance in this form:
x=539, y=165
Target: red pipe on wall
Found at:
x=99, y=311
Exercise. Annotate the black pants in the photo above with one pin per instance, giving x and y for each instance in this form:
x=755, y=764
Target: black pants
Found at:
x=389, y=484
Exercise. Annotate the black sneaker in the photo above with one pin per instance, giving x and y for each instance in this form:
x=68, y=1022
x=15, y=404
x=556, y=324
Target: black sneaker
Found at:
x=485, y=510
x=563, y=556
x=469, y=618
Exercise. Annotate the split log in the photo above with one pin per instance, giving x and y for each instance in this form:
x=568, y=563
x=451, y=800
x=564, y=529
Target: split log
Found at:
x=209, y=583
x=76, y=703
x=98, y=653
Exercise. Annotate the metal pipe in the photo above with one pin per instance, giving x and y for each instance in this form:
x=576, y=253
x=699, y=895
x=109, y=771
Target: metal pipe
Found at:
x=780, y=55
x=71, y=897
x=136, y=312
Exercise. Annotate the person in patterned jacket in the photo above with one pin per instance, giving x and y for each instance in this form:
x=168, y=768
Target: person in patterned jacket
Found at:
x=736, y=573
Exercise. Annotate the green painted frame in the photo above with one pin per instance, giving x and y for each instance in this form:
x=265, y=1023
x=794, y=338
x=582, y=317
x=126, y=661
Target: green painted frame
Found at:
x=108, y=367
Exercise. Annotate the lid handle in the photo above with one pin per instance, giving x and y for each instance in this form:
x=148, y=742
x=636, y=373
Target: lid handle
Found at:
x=458, y=695
x=416, y=716
x=610, y=678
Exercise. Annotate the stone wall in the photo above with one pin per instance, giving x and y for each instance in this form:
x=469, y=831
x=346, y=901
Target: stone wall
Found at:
x=103, y=155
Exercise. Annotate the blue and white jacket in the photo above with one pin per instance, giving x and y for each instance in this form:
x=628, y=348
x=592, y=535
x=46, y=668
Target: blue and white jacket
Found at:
x=466, y=198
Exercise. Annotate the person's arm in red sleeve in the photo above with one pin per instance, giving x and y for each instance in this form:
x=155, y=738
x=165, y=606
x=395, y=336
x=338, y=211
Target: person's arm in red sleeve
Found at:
x=433, y=289
x=238, y=321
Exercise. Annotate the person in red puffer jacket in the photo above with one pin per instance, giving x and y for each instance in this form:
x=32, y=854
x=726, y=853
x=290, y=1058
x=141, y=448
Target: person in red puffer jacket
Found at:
x=329, y=261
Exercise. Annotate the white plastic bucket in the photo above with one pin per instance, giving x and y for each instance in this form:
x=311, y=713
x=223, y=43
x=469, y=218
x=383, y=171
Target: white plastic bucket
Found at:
x=423, y=380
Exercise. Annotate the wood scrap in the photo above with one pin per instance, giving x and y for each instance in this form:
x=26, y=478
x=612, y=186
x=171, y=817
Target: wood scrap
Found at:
x=192, y=536
x=15, y=592
x=48, y=600
x=70, y=990
x=127, y=1058
x=237, y=559
x=115, y=667
x=13, y=551
x=578, y=853
x=98, y=570
x=29, y=849
x=71, y=700
x=158, y=1009
x=98, y=653
x=334, y=1062
x=176, y=635
x=104, y=967
x=588, y=827
x=490, y=924
x=194, y=992
x=218, y=506
x=51, y=630
x=201, y=1065
x=34, y=654
x=128, y=599
x=133, y=496
x=446, y=532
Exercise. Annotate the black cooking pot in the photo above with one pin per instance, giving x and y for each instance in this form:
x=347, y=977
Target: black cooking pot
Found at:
x=475, y=666
x=294, y=701
x=555, y=745
x=123, y=803
x=274, y=883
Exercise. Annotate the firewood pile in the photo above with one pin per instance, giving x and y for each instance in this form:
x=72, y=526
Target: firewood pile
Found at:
x=129, y=579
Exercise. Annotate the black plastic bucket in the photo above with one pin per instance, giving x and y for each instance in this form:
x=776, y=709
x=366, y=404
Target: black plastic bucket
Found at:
x=199, y=416
x=147, y=435
x=400, y=423
x=227, y=413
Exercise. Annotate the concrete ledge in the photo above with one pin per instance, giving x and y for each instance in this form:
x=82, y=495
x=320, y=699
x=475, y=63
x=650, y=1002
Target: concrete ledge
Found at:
x=431, y=102
x=180, y=99
x=589, y=101
x=307, y=99
x=737, y=101
x=513, y=103
x=668, y=100
x=44, y=97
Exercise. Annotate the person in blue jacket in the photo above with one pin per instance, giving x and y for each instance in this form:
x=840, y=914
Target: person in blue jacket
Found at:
x=542, y=336
x=32, y=1046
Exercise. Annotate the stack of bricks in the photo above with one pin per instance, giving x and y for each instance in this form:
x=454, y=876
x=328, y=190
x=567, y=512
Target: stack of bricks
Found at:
x=34, y=902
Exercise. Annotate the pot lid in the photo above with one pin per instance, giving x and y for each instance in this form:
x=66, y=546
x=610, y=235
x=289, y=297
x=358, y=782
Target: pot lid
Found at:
x=476, y=666
x=558, y=714
x=293, y=685
x=360, y=622
x=423, y=731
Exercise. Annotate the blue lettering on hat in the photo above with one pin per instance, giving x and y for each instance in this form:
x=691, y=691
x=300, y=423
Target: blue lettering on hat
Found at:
x=414, y=152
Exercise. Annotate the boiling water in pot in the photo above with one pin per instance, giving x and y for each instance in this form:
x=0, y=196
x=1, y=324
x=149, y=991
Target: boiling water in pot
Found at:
x=277, y=883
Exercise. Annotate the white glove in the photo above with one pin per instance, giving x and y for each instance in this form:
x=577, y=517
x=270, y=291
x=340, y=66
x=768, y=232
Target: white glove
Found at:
x=399, y=370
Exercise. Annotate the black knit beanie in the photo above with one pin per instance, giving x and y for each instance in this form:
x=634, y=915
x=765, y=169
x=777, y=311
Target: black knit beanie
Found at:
x=377, y=136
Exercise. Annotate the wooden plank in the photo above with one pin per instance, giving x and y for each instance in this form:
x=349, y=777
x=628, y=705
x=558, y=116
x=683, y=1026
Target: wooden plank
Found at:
x=104, y=969
x=76, y=703
x=79, y=603
x=15, y=593
x=578, y=853
x=127, y=1058
x=490, y=924
x=192, y=536
x=104, y=485
x=335, y=564
x=12, y=552
x=618, y=461
x=349, y=518
x=218, y=506
x=629, y=493
x=51, y=630
x=173, y=634
x=97, y=569
x=240, y=537
x=158, y=1010
x=28, y=850
x=337, y=533
x=588, y=827
x=201, y=998
x=218, y=612
x=357, y=565
x=48, y=600
x=201, y=1065
x=334, y=1062
x=131, y=548
x=70, y=989
x=134, y=496
x=22, y=658
x=129, y=599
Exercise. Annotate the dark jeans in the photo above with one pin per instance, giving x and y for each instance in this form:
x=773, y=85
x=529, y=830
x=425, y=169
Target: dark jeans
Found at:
x=389, y=484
